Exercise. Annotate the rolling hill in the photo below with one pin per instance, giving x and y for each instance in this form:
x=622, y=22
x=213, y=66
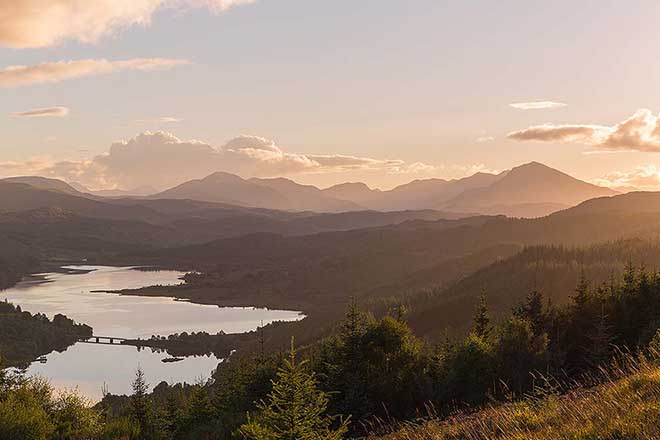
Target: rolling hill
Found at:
x=44, y=183
x=28, y=212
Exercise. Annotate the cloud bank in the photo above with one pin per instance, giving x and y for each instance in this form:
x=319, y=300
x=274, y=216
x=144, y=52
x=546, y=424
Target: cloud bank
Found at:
x=639, y=132
x=48, y=112
x=162, y=160
x=537, y=105
x=43, y=23
x=52, y=72
x=645, y=177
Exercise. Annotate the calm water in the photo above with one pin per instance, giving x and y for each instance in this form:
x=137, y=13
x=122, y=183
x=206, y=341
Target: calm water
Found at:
x=90, y=366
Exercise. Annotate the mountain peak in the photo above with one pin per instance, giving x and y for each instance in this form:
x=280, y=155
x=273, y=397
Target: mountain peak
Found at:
x=221, y=175
x=532, y=185
x=536, y=166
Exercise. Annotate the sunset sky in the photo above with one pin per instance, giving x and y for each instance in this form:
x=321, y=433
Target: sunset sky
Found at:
x=126, y=93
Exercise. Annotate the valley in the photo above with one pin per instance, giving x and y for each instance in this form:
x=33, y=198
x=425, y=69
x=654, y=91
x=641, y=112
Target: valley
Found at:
x=214, y=281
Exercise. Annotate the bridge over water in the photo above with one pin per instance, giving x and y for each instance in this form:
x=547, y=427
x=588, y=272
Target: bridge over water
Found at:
x=105, y=340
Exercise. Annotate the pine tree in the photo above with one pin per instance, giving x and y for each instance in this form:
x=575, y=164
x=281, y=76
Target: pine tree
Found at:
x=295, y=410
x=629, y=279
x=582, y=293
x=482, y=318
x=172, y=414
x=354, y=323
x=601, y=340
x=532, y=310
x=140, y=406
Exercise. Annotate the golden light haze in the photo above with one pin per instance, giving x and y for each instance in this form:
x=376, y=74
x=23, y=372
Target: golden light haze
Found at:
x=327, y=92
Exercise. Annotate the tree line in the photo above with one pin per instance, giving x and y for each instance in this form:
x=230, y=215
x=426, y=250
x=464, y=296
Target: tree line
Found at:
x=372, y=369
x=24, y=336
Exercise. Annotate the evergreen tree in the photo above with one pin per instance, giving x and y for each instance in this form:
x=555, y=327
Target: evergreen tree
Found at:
x=482, y=318
x=172, y=414
x=140, y=407
x=582, y=293
x=532, y=310
x=198, y=419
x=629, y=278
x=342, y=367
x=601, y=340
x=295, y=410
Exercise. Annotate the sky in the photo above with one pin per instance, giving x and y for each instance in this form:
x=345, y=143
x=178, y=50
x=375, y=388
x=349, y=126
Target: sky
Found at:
x=129, y=93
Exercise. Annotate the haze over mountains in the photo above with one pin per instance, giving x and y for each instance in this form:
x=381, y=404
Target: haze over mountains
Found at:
x=530, y=190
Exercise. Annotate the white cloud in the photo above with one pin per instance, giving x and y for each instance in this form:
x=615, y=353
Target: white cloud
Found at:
x=162, y=160
x=159, y=120
x=43, y=23
x=48, y=112
x=537, y=105
x=51, y=72
x=640, y=132
x=645, y=177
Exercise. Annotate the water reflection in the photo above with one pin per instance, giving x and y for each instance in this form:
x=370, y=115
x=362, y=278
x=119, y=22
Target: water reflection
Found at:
x=89, y=366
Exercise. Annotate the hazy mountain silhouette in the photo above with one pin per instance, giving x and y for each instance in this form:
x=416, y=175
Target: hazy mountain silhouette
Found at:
x=418, y=194
x=172, y=221
x=356, y=192
x=44, y=183
x=530, y=190
x=278, y=193
x=17, y=197
x=639, y=201
x=307, y=197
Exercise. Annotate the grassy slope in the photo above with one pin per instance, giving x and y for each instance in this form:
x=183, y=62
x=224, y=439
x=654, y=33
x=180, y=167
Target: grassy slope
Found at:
x=625, y=406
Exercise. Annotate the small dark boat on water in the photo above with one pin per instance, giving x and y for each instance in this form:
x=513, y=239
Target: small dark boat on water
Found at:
x=172, y=359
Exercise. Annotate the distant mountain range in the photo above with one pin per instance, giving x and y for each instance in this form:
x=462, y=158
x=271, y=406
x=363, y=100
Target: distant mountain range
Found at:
x=530, y=190
x=34, y=205
x=280, y=193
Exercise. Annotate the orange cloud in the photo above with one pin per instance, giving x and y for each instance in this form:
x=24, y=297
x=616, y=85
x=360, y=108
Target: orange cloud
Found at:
x=639, y=132
x=48, y=112
x=645, y=177
x=52, y=72
x=43, y=23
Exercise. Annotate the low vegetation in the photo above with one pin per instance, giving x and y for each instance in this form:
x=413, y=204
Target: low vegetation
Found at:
x=625, y=406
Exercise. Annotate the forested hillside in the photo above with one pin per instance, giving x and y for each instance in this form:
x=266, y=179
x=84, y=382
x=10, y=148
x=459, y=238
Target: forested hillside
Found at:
x=24, y=336
x=553, y=270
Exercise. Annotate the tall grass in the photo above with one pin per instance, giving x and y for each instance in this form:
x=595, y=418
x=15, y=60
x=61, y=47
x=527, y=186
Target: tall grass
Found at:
x=621, y=401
